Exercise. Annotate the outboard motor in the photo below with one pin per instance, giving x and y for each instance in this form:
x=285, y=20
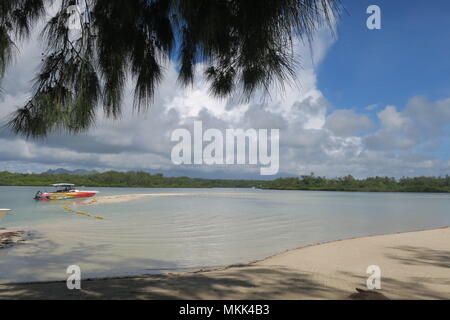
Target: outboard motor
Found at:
x=38, y=195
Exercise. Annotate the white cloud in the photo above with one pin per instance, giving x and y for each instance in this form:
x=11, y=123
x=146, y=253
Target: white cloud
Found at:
x=346, y=123
x=311, y=139
x=420, y=123
x=392, y=120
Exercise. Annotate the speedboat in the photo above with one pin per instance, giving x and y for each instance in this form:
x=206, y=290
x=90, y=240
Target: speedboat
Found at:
x=64, y=191
x=3, y=213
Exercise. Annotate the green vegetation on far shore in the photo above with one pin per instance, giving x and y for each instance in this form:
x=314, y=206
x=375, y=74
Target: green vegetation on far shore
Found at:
x=370, y=184
x=140, y=179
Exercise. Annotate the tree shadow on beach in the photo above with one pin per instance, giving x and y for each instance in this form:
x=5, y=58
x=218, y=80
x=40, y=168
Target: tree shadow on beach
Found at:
x=422, y=256
x=250, y=282
x=412, y=288
x=42, y=257
x=428, y=283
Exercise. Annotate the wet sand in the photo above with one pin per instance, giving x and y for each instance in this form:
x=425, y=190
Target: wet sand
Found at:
x=414, y=265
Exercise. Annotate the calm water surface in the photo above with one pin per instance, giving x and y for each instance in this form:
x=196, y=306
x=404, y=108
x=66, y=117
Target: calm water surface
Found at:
x=209, y=227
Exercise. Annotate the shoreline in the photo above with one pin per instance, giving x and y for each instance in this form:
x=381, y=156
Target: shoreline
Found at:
x=326, y=270
x=344, y=239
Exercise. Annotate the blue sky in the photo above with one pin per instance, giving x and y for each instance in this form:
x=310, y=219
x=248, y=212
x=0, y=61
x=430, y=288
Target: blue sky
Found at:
x=370, y=102
x=408, y=56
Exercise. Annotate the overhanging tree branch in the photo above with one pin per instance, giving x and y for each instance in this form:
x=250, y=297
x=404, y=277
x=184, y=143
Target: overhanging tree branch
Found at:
x=244, y=44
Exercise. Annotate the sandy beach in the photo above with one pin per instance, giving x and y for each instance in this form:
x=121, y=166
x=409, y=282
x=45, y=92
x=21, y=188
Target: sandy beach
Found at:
x=414, y=265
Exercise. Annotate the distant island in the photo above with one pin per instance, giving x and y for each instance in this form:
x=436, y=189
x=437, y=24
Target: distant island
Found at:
x=141, y=179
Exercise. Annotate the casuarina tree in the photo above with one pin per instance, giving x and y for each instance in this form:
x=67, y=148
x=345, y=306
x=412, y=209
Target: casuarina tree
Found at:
x=94, y=46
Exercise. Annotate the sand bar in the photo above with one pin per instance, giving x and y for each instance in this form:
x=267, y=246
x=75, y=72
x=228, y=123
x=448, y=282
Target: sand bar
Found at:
x=136, y=196
x=414, y=265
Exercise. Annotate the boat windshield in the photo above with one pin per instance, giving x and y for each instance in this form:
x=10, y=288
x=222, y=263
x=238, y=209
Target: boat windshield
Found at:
x=64, y=187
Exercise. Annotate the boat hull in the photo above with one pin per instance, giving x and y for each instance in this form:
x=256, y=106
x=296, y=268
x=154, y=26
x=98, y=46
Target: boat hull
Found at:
x=66, y=195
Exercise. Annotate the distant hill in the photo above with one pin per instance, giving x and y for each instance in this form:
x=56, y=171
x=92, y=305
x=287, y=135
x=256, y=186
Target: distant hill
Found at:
x=79, y=172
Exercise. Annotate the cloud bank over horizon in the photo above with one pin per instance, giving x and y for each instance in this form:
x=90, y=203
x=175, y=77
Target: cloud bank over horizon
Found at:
x=315, y=136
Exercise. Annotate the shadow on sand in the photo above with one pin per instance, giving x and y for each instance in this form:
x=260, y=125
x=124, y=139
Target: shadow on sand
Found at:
x=253, y=282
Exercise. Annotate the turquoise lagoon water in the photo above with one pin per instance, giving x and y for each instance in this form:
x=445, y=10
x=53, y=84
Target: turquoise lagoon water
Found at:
x=200, y=228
